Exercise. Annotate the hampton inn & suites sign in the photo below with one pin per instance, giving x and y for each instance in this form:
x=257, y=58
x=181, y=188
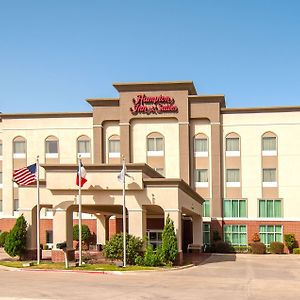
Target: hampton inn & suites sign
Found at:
x=143, y=104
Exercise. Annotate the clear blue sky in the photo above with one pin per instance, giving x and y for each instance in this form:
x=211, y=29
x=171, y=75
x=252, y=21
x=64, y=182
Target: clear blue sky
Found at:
x=54, y=54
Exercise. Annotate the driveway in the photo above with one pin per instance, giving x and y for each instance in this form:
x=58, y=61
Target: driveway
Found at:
x=240, y=276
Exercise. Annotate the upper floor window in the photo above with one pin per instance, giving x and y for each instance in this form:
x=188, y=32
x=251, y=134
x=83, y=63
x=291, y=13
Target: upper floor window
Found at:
x=155, y=144
x=19, y=147
x=114, y=146
x=269, y=178
x=233, y=144
x=269, y=144
x=84, y=146
x=233, y=178
x=201, y=178
x=51, y=145
x=0, y=148
x=206, y=208
x=200, y=145
x=1, y=179
x=269, y=208
x=235, y=208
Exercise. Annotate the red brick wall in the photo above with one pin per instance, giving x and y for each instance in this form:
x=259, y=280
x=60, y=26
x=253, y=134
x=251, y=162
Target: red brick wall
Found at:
x=7, y=224
x=253, y=227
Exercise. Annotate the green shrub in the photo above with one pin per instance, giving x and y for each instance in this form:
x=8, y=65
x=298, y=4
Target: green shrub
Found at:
x=296, y=251
x=85, y=233
x=258, y=248
x=139, y=260
x=216, y=236
x=169, y=248
x=15, y=243
x=241, y=249
x=114, y=248
x=222, y=247
x=276, y=247
x=290, y=241
x=152, y=258
x=3, y=236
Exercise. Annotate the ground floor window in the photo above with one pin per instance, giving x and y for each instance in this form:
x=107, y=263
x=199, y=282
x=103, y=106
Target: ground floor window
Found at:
x=49, y=236
x=206, y=234
x=236, y=235
x=270, y=233
x=154, y=238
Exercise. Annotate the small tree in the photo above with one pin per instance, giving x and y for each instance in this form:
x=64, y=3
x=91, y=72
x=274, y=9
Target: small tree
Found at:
x=15, y=243
x=3, y=236
x=85, y=233
x=169, y=242
x=114, y=248
x=290, y=241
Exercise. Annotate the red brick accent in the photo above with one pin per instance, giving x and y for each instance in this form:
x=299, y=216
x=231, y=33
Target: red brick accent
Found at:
x=115, y=226
x=253, y=227
x=7, y=224
x=59, y=256
x=46, y=224
x=89, y=222
x=30, y=254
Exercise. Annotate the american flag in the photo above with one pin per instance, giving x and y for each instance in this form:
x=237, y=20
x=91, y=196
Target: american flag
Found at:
x=25, y=176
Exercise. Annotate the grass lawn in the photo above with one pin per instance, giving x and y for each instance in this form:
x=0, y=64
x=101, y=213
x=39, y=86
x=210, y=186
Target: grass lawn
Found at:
x=85, y=267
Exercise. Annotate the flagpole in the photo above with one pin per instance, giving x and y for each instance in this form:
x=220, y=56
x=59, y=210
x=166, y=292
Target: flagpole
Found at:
x=38, y=211
x=124, y=216
x=79, y=211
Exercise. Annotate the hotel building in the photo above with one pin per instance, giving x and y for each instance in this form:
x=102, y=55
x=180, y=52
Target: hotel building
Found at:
x=211, y=168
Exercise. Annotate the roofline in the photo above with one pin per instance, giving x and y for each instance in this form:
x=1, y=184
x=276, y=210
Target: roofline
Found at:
x=103, y=101
x=220, y=98
x=156, y=86
x=177, y=182
x=259, y=109
x=47, y=115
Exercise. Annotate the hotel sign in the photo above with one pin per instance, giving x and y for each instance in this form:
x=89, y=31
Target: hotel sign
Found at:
x=148, y=105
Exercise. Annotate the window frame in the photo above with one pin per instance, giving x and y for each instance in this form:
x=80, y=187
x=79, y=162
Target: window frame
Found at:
x=154, y=151
x=273, y=208
x=200, y=153
x=235, y=152
x=238, y=208
x=239, y=232
x=272, y=152
x=207, y=232
x=201, y=184
x=268, y=233
x=233, y=183
x=51, y=154
x=113, y=154
x=86, y=140
x=19, y=140
x=269, y=183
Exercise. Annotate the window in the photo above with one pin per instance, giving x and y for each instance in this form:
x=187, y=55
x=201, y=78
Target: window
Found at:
x=269, y=143
x=51, y=147
x=235, y=208
x=19, y=148
x=0, y=148
x=84, y=146
x=270, y=233
x=236, y=235
x=206, y=208
x=154, y=238
x=232, y=144
x=269, y=178
x=155, y=144
x=206, y=233
x=201, y=147
x=49, y=236
x=1, y=205
x=269, y=209
x=233, y=177
x=201, y=178
x=16, y=204
x=114, y=147
x=1, y=179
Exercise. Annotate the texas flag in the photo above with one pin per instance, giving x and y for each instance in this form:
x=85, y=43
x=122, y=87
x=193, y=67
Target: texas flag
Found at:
x=83, y=174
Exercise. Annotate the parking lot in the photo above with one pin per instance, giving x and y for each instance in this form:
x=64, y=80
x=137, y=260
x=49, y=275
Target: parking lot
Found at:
x=241, y=276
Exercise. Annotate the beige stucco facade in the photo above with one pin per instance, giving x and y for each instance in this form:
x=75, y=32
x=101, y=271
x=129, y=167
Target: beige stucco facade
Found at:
x=178, y=118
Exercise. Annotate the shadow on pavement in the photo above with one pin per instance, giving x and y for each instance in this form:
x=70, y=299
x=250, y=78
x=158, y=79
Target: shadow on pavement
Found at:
x=207, y=258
